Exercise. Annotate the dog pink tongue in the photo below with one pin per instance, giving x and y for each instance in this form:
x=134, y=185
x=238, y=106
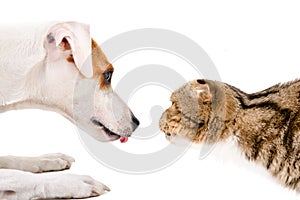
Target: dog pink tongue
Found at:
x=123, y=139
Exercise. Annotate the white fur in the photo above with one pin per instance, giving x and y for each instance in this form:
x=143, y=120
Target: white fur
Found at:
x=13, y=66
x=227, y=152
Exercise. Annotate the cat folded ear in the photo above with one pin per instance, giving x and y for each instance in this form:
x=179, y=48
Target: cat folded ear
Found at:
x=70, y=41
x=203, y=90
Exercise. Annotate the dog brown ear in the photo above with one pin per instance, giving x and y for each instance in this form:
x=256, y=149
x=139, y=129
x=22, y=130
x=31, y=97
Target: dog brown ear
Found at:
x=70, y=41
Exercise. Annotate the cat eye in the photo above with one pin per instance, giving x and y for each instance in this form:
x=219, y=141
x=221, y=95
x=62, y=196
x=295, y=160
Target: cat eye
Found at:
x=107, y=76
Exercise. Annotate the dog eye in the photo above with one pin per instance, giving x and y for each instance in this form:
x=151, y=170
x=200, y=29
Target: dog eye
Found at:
x=107, y=76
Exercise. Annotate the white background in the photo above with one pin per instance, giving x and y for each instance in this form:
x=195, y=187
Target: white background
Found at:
x=254, y=45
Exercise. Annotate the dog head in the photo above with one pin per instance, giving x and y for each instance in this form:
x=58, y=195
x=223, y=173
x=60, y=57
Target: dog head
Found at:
x=76, y=82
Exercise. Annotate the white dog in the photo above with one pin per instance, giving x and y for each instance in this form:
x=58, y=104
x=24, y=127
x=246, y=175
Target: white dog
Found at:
x=58, y=67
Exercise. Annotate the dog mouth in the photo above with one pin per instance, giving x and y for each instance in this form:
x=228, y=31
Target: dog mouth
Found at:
x=112, y=135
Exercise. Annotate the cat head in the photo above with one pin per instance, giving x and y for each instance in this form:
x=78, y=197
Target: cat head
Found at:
x=197, y=112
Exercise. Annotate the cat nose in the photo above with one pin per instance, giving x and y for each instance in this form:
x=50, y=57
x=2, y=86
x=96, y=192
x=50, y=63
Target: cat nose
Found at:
x=134, y=122
x=163, y=121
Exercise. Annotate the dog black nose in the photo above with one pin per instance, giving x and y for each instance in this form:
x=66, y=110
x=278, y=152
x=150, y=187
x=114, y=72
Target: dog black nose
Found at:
x=135, y=122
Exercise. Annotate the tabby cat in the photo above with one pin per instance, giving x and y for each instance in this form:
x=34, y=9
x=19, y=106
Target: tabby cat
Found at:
x=265, y=125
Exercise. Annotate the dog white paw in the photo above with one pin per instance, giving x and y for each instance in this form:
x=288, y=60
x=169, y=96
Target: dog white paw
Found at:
x=47, y=162
x=18, y=185
x=55, y=162
x=70, y=186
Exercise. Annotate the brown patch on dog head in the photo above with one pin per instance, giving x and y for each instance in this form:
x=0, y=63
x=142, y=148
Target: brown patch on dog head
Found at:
x=70, y=59
x=99, y=60
x=102, y=68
